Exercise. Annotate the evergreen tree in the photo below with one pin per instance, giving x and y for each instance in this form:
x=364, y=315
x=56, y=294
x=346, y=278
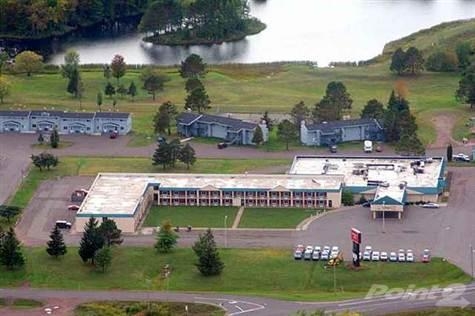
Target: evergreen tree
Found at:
x=132, y=91
x=44, y=160
x=56, y=246
x=187, y=155
x=192, y=84
x=464, y=51
x=153, y=81
x=110, y=233
x=198, y=100
x=109, y=90
x=174, y=148
x=99, y=100
x=9, y=211
x=398, y=61
x=121, y=90
x=410, y=144
x=166, y=238
x=91, y=241
x=41, y=139
x=466, y=88
x=54, y=139
x=10, y=252
x=258, y=137
x=167, y=113
x=209, y=262
x=162, y=155
x=373, y=110
x=268, y=120
x=299, y=113
x=193, y=67
x=335, y=100
x=286, y=132
x=107, y=72
x=103, y=258
x=414, y=61
x=450, y=153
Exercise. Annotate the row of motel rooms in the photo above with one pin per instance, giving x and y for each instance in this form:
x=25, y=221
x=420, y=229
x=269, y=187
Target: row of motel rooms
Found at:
x=260, y=198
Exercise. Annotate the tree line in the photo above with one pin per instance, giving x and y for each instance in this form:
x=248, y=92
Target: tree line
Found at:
x=207, y=19
x=39, y=18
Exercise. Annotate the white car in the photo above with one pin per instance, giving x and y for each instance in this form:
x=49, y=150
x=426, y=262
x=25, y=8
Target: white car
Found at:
x=393, y=257
x=307, y=255
x=316, y=253
x=410, y=257
x=368, y=249
x=401, y=257
x=430, y=205
x=461, y=157
x=334, y=252
x=366, y=256
x=326, y=248
x=325, y=255
x=375, y=256
x=383, y=256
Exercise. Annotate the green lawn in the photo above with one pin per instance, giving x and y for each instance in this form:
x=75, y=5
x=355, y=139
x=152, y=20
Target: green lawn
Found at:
x=274, y=217
x=188, y=215
x=264, y=272
x=253, y=88
x=442, y=311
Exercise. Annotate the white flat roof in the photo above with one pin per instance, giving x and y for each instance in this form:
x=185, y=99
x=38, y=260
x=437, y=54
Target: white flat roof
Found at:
x=357, y=171
x=118, y=194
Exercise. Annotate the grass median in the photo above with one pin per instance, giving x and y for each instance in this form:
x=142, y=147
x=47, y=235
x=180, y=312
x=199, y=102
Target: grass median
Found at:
x=274, y=217
x=199, y=216
x=263, y=272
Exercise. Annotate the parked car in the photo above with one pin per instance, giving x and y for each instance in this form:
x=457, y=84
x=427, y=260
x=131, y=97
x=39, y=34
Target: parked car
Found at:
x=316, y=253
x=401, y=257
x=368, y=249
x=379, y=148
x=375, y=256
x=461, y=157
x=410, y=257
x=298, y=252
x=307, y=255
x=113, y=135
x=63, y=224
x=366, y=204
x=383, y=256
x=430, y=205
x=333, y=148
x=325, y=255
x=426, y=256
x=326, y=248
x=73, y=207
x=222, y=145
x=366, y=256
x=393, y=257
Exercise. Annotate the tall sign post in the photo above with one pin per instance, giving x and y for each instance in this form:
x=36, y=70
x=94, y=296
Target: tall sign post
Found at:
x=356, y=239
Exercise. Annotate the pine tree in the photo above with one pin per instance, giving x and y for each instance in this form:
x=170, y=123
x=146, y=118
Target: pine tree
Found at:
x=209, y=262
x=103, y=258
x=162, y=155
x=258, y=137
x=450, y=152
x=109, y=90
x=56, y=246
x=132, y=91
x=10, y=251
x=110, y=233
x=410, y=144
x=166, y=238
x=54, y=139
x=41, y=138
x=187, y=155
x=91, y=241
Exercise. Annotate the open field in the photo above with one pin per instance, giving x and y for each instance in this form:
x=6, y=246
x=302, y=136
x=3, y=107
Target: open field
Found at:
x=274, y=217
x=274, y=273
x=117, y=308
x=443, y=311
x=183, y=216
x=245, y=88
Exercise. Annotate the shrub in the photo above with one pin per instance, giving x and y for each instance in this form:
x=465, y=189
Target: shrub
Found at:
x=347, y=198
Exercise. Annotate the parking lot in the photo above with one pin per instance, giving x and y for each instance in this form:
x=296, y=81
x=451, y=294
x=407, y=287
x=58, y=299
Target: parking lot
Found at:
x=48, y=205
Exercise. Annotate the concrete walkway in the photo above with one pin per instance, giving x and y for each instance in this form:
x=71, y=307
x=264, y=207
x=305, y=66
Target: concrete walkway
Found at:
x=237, y=220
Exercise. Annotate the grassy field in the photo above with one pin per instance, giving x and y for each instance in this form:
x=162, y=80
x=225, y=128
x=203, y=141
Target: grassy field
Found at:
x=118, y=308
x=188, y=215
x=273, y=217
x=443, y=311
x=21, y=303
x=264, y=272
x=245, y=88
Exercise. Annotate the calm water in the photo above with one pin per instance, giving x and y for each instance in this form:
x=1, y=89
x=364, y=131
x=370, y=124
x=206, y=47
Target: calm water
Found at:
x=315, y=30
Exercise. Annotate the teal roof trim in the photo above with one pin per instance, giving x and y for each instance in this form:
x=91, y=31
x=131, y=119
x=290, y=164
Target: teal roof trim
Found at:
x=387, y=200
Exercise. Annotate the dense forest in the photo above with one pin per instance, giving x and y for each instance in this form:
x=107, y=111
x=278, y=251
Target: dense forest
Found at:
x=44, y=18
x=179, y=22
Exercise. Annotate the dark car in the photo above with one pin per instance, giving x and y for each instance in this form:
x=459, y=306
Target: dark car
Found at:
x=222, y=145
x=333, y=148
x=63, y=224
x=113, y=135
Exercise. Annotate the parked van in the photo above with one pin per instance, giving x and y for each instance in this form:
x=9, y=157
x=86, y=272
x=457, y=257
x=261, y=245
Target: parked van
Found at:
x=63, y=224
x=368, y=146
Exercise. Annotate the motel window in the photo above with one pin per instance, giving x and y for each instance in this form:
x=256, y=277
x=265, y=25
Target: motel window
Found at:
x=121, y=127
x=65, y=127
x=33, y=117
x=33, y=125
x=88, y=128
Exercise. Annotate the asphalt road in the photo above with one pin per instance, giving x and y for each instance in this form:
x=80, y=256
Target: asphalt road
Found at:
x=459, y=296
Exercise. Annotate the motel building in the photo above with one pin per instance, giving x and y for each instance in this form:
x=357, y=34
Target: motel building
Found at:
x=126, y=198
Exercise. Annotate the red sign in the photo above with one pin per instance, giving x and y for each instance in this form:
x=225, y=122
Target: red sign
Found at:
x=355, y=236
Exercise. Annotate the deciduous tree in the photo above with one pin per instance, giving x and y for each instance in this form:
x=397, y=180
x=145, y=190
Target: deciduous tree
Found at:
x=29, y=62
x=414, y=60
x=166, y=238
x=464, y=51
x=209, y=262
x=153, y=81
x=56, y=246
x=269, y=122
x=99, y=100
x=44, y=160
x=71, y=63
x=466, y=89
x=103, y=258
x=9, y=211
x=118, y=67
x=258, y=137
x=4, y=88
x=398, y=61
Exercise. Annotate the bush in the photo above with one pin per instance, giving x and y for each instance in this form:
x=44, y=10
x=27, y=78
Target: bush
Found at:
x=347, y=198
x=442, y=61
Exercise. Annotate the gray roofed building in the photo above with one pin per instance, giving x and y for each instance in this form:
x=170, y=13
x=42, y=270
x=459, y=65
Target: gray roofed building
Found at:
x=233, y=131
x=333, y=132
x=14, y=113
x=122, y=115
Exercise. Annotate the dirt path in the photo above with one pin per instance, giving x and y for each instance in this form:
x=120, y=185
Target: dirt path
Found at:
x=444, y=124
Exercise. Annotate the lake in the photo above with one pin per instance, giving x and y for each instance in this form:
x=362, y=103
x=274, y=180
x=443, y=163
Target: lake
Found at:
x=297, y=30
